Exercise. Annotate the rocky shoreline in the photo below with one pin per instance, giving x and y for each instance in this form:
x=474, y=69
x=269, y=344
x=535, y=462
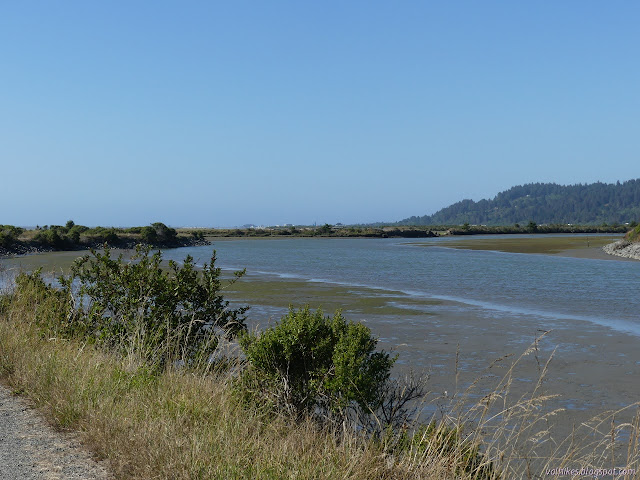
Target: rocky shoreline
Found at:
x=623, y=248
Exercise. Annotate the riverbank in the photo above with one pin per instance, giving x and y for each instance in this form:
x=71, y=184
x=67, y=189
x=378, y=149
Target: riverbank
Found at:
x=624, y=249
x=15, y=241
x=30, y=248
x=581, y=246
x=464, y=346
x=181, y=425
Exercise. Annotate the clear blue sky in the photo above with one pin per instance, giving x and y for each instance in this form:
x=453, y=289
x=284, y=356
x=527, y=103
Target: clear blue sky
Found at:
x=225, y=113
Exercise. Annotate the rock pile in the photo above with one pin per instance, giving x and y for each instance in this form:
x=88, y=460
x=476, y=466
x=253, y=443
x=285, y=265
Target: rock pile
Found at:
x=623, y=248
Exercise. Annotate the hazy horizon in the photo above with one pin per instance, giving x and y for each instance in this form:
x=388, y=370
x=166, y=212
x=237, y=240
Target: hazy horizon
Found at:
x=245, y=224
x=209, y=114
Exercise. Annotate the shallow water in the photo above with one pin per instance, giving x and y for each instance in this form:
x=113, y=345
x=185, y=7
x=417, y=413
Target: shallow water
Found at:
x=489, y=283
x=450, y=311
x=454, y=312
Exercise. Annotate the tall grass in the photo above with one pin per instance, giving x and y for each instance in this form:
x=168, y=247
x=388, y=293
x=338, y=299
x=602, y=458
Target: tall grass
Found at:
x=186, y=423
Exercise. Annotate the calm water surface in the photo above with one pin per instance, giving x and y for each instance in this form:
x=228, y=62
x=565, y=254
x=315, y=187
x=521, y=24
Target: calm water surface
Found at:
x=494, y=283
x=491, y=303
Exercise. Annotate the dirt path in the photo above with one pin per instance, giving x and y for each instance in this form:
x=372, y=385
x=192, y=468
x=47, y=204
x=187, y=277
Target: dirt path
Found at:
x=30, y=449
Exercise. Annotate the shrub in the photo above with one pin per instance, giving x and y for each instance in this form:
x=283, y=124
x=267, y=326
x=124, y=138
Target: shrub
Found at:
x=9, y=235
x=51, y=238
x=149, y=235
x=164, y=233
x=634, y=234
x=312, y=364
x=51, y=306
x=137, y=307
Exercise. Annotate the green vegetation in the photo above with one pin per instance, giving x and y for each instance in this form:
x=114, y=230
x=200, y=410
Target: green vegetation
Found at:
x=138, y=299
x=545, y=203
x=135, y=358
x=399, y=231
x=634, y=234
x=9, y=235
x=14, y=240
x=530, y=227
x=315, y=365
x=148, y=327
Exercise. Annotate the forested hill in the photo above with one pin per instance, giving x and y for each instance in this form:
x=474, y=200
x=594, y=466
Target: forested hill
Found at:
x=542, y=203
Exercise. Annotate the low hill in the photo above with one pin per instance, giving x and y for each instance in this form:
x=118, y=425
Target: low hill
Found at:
x=545, y=203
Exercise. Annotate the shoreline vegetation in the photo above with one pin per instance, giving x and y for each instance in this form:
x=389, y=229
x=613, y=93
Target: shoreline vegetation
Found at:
x=408, y=231
x=71, y=237
x=158, y=396
x=628, y=247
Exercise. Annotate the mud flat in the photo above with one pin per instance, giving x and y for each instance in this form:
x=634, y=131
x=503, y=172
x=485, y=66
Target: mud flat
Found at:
x=467, y=350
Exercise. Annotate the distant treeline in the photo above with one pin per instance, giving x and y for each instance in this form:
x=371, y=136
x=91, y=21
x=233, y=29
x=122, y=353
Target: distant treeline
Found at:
x=397, y=231
x=325, y=230
x=545, y=203
x=532, y=227
x=17, y=240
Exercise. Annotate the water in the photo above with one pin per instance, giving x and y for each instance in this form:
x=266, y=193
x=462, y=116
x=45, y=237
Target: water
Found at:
x=491, y=304
x=492, y=284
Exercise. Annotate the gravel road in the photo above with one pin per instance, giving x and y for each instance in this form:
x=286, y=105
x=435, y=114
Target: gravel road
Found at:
x=30, y=449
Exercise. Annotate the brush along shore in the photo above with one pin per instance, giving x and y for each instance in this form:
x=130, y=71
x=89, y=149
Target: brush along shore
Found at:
x=160, y=396
x=629, y=247
x=72, y=237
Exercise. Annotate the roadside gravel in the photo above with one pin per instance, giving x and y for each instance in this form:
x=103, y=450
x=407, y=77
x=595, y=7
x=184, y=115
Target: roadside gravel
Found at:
x=30, y=449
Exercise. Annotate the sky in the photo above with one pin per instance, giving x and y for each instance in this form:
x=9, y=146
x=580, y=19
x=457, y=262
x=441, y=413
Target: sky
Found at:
x=210, y=113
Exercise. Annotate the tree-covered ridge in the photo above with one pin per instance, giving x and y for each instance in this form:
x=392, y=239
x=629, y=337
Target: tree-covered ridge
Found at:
x=545, y=203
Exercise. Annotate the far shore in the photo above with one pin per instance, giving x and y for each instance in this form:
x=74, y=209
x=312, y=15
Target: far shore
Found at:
x=576, y=246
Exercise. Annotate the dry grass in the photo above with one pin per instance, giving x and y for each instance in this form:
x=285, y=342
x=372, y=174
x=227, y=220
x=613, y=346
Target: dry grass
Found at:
x=181, y=425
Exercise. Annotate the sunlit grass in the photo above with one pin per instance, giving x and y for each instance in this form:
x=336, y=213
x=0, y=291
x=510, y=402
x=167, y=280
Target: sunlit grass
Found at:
x=181, y=424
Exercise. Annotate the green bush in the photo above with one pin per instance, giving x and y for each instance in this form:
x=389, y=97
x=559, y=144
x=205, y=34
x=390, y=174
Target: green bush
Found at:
x=9, y=235
x=6, y=241
x=312, y=364
x=158, y=233
x=149, y=235
x=51, y=238
x=634, y=234
x=52, y=306
x=138, y=307
x=180, y=308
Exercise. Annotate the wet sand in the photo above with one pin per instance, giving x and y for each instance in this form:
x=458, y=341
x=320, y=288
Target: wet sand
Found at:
x=592, y=368
x=595, y=253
